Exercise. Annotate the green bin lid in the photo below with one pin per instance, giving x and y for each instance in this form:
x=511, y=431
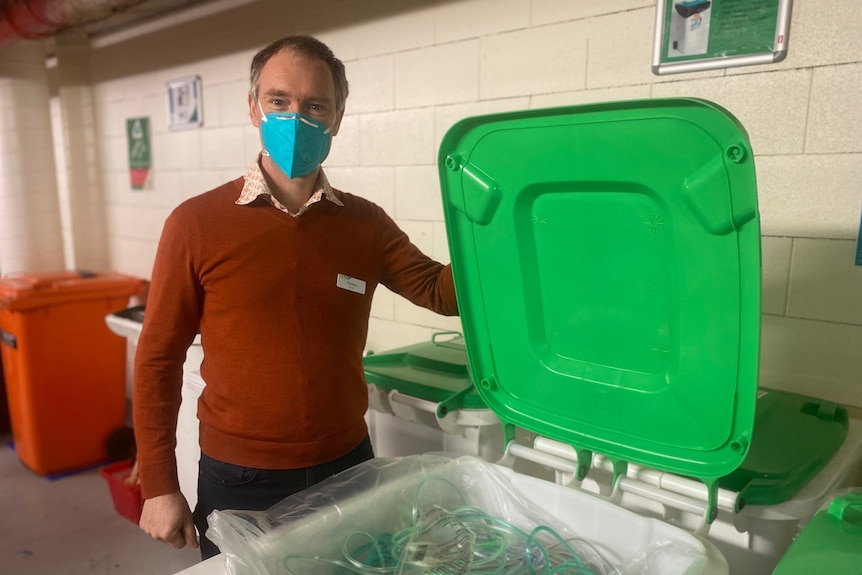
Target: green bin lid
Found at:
x=435, y=371
x=775, y=469
x=830, y=543
x=607, y=267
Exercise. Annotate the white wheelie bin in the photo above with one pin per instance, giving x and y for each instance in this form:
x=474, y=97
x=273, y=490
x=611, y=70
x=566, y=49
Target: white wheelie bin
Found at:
x=422, y=399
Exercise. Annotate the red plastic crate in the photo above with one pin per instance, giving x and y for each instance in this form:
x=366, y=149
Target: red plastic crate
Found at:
x=127, y=498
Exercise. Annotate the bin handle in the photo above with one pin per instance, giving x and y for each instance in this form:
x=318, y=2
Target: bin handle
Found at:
x=847, y=508
x=435, y=336
x=9, y=339
x=415, y=402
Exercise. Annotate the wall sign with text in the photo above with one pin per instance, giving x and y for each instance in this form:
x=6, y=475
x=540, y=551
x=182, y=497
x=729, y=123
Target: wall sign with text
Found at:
x=695, y=35
x=185, y=109
x=138, y=140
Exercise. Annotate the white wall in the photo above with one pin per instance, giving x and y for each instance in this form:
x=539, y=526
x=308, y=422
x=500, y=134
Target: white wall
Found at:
x=416, y=67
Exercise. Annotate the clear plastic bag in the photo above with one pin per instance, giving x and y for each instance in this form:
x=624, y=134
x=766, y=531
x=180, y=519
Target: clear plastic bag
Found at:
x=417, y=515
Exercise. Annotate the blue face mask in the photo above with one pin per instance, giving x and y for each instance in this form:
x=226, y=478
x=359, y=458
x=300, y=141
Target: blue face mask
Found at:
x=296, y=143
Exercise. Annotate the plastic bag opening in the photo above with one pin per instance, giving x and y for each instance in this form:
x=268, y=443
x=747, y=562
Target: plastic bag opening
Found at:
x=425, y=514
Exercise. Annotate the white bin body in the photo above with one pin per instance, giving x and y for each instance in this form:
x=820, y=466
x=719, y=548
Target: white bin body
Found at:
x=402, y=425
x=188, y=449
x=620, y=534
x=754, y=539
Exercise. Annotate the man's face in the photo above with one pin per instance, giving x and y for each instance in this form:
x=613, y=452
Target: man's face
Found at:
x=292, y=83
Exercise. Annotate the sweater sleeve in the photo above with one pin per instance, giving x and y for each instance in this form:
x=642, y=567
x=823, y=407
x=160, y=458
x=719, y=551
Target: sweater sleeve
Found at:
x=171, y=321
x=410, y=273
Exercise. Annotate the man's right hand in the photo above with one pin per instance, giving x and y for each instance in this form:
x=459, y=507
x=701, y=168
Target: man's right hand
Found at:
x=168, y=518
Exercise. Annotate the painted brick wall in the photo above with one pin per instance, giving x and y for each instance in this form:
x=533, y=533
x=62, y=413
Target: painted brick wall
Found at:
x=416, y=67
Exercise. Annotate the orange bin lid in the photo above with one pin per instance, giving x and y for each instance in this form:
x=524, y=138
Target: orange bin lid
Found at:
x=33, y=290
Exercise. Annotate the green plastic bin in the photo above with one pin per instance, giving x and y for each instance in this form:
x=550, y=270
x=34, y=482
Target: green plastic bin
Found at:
x=607, y=266
x=428, y=384
x=434, y=371
x=775, y=469
x=831, y=543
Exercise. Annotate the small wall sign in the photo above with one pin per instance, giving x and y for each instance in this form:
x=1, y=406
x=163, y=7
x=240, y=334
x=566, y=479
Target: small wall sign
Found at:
x=138, y=138
x=184, y=103
x=696, y=35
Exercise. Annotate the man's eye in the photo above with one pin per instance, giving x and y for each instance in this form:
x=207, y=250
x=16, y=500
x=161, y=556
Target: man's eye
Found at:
x=276, y=102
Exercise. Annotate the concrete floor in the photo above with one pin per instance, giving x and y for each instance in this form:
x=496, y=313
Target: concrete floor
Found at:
x=69, y=526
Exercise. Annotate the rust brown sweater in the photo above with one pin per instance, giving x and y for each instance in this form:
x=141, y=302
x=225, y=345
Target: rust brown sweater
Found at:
x=282, y=340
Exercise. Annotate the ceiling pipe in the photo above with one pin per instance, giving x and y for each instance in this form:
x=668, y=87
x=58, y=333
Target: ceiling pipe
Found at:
x=36, y=19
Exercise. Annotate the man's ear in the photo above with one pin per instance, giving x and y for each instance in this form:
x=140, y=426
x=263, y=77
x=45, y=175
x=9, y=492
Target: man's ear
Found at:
x=337, y=124
x=253, y=110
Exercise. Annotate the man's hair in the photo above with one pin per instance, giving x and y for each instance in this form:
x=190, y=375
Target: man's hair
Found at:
x=308, y=47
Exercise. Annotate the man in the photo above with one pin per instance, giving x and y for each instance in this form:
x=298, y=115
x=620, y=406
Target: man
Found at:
x=276, y=269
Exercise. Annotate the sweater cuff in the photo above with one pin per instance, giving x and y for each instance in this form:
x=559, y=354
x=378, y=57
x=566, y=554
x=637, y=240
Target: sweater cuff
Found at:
x=158, y=479
x=447, y=283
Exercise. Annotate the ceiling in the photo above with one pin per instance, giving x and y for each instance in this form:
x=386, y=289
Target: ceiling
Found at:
x=42, y=19
x=145, y=11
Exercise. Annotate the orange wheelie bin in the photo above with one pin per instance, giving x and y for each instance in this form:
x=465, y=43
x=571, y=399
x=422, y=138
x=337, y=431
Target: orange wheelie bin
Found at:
x=65, y=370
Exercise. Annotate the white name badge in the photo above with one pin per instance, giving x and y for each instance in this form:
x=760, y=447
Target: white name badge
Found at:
x=355, y=285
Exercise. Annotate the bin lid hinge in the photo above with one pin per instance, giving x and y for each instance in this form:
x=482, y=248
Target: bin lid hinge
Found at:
x=452, y=403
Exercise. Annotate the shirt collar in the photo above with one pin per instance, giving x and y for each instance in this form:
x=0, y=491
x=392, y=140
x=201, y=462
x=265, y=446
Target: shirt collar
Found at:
x=255, y=186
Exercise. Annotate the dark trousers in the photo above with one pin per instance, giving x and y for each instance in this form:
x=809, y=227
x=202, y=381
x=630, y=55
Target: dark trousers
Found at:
x=225, y=486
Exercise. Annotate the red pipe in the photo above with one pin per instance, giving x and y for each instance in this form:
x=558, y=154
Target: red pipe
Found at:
x=24, y=20
x=35, y=19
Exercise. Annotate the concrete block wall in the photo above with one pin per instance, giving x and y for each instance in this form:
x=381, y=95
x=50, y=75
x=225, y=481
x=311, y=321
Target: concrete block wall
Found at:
x=418, y=66
x=31, y=238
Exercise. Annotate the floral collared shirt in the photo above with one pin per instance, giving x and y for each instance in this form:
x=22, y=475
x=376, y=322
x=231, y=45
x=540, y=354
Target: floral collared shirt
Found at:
x=256, y=186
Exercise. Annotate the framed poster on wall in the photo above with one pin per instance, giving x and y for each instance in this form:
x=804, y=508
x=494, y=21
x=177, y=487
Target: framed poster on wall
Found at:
x=138, y=144
x=696, y=35
x=184, y=103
